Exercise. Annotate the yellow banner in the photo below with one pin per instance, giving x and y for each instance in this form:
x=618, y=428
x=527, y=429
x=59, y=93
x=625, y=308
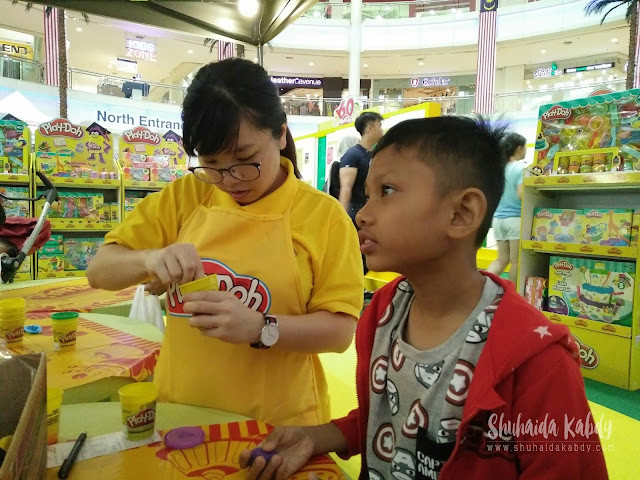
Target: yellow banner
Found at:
x=19, y=50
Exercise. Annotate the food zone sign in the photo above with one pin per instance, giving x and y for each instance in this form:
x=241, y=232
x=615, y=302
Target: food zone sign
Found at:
x=141, y=49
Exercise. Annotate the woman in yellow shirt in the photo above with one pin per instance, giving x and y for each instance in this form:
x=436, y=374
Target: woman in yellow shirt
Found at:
x=285, y=254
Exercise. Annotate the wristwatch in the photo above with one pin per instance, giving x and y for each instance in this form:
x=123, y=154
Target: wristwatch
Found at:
x=269, y=334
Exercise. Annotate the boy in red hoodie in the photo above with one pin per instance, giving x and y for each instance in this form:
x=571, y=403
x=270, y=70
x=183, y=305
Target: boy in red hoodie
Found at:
x=457, y=376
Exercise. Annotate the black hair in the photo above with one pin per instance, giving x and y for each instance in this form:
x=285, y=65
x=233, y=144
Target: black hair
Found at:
x=8, y=247
x=220, y=96
x=511, y=142
x=464, y=152
x=365, y=118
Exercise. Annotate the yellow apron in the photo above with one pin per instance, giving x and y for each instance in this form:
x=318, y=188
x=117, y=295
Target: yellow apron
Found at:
x=253, y=256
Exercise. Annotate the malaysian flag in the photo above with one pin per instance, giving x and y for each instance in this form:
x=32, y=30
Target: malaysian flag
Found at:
x=225, y=50
x=51, y=45
x=486, y=76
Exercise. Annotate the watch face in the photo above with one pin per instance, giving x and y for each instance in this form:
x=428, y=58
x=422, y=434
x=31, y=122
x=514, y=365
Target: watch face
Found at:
x=270, y=335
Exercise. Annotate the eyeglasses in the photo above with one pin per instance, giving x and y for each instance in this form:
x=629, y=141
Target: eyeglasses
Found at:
x=241, y=171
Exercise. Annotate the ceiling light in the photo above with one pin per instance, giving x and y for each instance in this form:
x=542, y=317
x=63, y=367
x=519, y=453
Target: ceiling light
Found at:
x=453, y=10
x=543, y=51
x=189, y=52
x=366, y=65
x=248, y=8
x=419, y=14
x=614, y=40
x=316, y=95
x=256, y=60
x=78, y=29
x=421, y=63
x=432, y=12
x=311, y=64
x=316, y=14
x=528, y=82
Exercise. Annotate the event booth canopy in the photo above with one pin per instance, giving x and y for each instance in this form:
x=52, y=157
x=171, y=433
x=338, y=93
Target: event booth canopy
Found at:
x=198, y=17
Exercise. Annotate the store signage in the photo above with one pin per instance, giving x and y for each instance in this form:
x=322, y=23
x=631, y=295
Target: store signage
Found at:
x=20, y=50
x=348, y=110
x=141, y=135
x=142, y=49
x=297, y=82
x=544, y=72
x=61, y=127
x=124, y=65
x=430, y=82
x=589, y=68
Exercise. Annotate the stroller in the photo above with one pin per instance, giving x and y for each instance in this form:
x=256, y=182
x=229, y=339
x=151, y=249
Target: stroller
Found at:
x=13, y=232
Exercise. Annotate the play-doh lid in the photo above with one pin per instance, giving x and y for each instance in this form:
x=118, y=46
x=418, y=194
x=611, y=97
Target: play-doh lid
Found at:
x=64, y=315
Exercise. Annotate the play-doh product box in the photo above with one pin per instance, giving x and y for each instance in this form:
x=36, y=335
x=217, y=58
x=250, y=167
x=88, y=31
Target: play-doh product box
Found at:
x=635, y=228
x=594, y=289
x=606, y=226
x=556, y=225
x=48, y=263
x=54, y=246
x=535, y=291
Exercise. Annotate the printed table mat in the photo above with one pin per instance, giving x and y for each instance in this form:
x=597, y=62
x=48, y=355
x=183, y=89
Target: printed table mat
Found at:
x=216, y=459
x=73, y=295
x=101, y=352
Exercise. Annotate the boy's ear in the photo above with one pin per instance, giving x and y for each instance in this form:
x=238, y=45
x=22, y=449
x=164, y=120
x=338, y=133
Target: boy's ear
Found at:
x=469, y=210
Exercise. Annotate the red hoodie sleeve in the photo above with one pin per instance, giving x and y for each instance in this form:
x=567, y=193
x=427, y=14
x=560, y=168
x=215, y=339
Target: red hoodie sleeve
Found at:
x=349, y=426
x=550, y=384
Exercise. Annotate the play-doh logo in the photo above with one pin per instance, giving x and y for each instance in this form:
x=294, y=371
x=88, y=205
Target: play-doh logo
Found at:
x=251, y=291
x=594, y=214
x=143, y=418
x=67, y=338
x=589, y=358
x=61, y=128
x=14, y=335
x=563, y=265
x=544, y=214
x=141, y=135
x=556, y=113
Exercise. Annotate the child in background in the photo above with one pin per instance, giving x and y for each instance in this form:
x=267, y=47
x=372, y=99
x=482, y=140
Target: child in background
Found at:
x=448, y=356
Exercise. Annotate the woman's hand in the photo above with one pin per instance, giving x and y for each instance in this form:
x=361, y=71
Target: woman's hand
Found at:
x=222, y=315
x=294, y=446
x=178, y=263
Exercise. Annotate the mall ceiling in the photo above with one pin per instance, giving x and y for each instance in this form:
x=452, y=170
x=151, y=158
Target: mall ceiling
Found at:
x=198, y=17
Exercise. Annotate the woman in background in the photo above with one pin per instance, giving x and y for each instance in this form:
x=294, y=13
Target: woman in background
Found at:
x=506, y=219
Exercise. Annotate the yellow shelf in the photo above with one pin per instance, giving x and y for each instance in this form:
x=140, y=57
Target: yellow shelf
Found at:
x=21, y=277
x=76, y=224
x=592, y=325
x=136, y=185
x=100, y=183
x=629, y=253
x=14, y=178
x=617, y=180
x=69, y=274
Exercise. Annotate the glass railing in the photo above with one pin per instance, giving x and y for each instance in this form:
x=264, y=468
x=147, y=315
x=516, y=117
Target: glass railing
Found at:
x=92, y=82
x=525, y=101
x=402, y=9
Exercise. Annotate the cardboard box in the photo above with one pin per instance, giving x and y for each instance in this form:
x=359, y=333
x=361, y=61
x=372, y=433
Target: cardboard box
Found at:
x=535, y=292
x=556, y=225
x=23, y=414
x=606, y=226
x=598, y=290
x=635, y=228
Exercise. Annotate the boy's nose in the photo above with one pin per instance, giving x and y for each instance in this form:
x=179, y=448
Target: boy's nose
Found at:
x=362, y=217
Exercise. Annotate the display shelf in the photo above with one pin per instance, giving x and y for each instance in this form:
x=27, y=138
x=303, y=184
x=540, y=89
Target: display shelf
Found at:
x=604, y=181
x=623, y=253
x=79, y=225
x=65, y=274
x=22, y=277
x=137, y=185
x=18, y=179
x=73, y=182
x=592, y=325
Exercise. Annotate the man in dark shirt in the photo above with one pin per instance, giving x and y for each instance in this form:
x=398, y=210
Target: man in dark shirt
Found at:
x=354, y=164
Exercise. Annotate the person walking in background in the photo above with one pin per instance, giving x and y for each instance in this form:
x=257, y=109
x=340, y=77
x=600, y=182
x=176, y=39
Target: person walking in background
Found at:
x=354, y=165
x=506, y=220
x=332, y=185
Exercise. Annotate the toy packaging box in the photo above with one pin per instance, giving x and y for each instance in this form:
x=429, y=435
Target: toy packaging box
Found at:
x=536, y=292
x=608, y=226
x=15, y=208
x=64, y=149
x=556, y=225
x=635, y=228
x=589, y=135
x=142, y=148
x=15, y=146
x=78, y=252
x=597, y=290
x=51, y=255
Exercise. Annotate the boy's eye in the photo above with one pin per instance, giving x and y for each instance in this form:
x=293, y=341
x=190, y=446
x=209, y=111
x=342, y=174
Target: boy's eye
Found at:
x=387, y=190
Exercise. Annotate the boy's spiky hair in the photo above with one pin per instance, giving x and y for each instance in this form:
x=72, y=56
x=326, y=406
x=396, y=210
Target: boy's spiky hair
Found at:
x=465, y=152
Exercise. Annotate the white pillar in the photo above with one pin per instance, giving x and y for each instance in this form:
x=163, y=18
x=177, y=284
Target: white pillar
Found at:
x=355, y=47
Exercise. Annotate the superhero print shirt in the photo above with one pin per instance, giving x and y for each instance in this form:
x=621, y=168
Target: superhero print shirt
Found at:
x=417, y=397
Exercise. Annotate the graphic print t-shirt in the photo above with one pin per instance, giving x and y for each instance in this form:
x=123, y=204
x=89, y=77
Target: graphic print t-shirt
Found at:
x=417, y=397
